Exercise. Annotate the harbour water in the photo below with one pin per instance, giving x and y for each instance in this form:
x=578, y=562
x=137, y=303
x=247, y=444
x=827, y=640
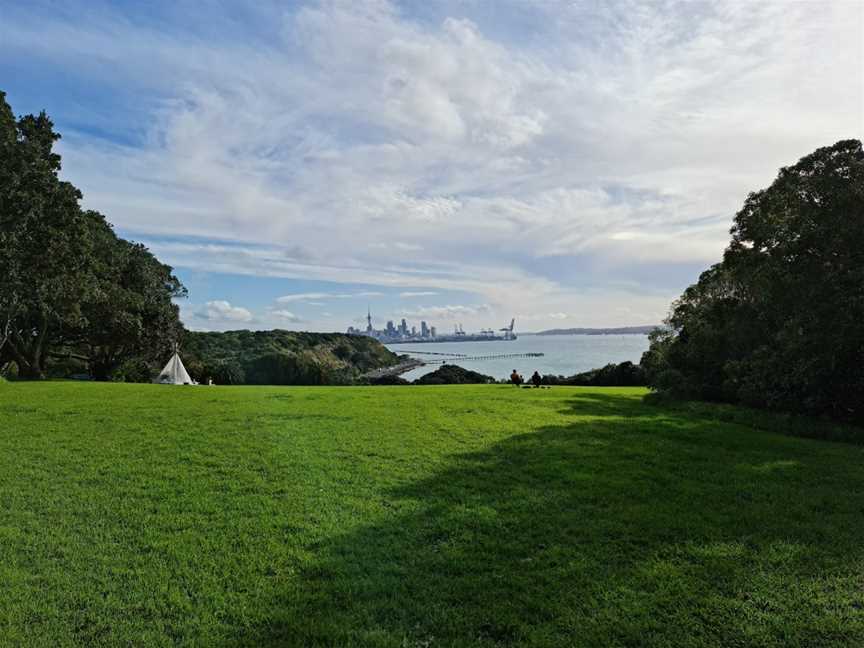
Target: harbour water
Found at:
x=563, y=354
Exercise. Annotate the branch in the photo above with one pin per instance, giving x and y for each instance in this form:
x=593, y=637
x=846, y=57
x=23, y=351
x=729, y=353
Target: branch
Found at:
x=68, y=355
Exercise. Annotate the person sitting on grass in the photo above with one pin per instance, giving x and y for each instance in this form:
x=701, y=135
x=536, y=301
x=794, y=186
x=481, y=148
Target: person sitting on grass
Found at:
x=515, y=378
x=537, y=379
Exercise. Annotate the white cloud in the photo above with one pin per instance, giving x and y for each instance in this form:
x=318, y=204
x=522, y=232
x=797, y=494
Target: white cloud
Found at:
x=534, y=317
x=305, y=297
x=446, y=312
x=220, y=310
x=419, y=293
x=314, y=298
x=285, y=316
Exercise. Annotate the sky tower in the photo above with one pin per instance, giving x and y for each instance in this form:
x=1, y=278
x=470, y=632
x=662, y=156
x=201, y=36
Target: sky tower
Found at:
x=368, y=319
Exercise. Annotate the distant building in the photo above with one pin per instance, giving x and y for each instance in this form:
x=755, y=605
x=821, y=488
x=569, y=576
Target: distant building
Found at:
x=433, y=332
x=403, y=327
x=424, y=330
x=391, y=329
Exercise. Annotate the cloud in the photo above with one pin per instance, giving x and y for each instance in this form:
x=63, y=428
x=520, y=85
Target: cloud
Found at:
x=446, y=312
x=533, y=317
x=220, y=310
x=419, y=293
x=305, y=297
x=356, y=142
x=310, y=298
x=285, y=316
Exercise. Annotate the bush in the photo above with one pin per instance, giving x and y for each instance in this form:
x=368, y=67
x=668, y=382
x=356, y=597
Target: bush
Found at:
x=389, y=380
x=453, y=375
x=134, y=370
x=674, y=384
x=227, y=373
x=625, y=374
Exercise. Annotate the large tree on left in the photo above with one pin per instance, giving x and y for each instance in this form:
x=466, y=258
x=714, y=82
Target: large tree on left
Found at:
x=68, y=284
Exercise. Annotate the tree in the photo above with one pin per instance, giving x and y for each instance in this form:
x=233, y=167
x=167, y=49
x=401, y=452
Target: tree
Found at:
x=132, y=313
x=777, y=323
x=70, y=286
x=46, y=247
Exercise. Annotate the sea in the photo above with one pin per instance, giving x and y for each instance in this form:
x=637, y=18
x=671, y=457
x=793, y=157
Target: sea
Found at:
x=563, y=355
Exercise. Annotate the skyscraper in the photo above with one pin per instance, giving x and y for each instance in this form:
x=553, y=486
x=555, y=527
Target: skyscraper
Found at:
x=424, y=330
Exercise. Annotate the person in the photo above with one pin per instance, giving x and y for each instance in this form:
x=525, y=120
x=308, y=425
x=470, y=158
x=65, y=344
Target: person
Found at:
x=537, y=379
x=515, y=378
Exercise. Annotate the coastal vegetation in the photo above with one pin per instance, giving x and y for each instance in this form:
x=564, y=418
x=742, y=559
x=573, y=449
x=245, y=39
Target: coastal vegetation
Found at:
x=282, y=357
x=455, y=516
x=623, y=374
x=453, y=375
x=777, y=323
x=446, y=374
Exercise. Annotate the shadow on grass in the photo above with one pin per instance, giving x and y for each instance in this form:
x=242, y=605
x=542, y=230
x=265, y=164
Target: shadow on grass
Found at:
x=632, y=526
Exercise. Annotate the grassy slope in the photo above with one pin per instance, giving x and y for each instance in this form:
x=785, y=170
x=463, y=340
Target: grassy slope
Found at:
x=416, y=517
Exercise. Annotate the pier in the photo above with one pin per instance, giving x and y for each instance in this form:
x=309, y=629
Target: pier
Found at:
x=494, y=356
x=395, y=370
x=438, y=353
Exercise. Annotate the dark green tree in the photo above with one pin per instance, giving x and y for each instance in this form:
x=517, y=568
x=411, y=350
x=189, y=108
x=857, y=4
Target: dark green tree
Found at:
x=131, y=314
x=777, y=323
x=46, y=248
x=70, y=287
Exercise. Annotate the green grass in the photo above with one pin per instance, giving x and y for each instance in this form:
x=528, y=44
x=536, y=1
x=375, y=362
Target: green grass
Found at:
x=420, y=516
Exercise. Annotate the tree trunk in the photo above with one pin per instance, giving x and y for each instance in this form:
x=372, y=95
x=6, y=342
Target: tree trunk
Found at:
x=5, y=333
x=28, y=357
x=101, y=370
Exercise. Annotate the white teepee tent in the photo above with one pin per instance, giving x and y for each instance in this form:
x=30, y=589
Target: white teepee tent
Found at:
x=174, y=372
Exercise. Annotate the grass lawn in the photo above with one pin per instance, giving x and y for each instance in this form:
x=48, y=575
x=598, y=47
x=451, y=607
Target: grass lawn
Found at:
x=417, y=516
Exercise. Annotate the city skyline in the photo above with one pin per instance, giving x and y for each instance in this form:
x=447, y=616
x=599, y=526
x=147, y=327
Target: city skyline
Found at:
x=394, y=332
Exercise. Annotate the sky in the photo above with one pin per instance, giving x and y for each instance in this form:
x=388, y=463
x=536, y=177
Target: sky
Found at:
x=461, y=161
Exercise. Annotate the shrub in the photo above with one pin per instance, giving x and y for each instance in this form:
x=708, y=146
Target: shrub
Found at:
x=134, y=370
x=227, y=373
x=625, y=374
x=453, y=375
x=389, y=380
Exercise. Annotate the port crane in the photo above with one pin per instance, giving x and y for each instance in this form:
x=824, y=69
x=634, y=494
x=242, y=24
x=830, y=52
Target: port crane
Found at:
x=508, y=330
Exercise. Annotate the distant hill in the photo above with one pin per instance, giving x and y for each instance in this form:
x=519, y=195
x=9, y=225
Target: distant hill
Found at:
x=623, y=330
x=282, y=357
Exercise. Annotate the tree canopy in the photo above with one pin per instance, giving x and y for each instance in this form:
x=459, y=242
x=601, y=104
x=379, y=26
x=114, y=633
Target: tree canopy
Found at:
x=71, y=287
x=778, y=323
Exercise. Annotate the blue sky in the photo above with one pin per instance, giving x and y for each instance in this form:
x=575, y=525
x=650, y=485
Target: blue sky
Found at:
x=564, y=163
